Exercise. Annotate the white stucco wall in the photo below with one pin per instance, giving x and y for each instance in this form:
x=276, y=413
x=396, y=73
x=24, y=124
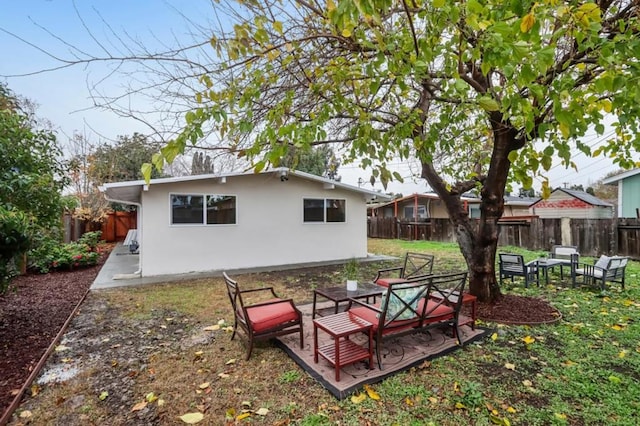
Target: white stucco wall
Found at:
x=269, y=229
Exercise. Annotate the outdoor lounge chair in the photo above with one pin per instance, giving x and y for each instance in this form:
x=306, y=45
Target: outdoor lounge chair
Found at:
x=407, y=307
x=512, y=265
x=265, y=319
x=415, y=265
x=565, y=254
x=605, y=269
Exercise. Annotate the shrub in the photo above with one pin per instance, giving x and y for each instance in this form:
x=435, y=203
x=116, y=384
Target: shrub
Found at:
x=14, y=241
x=50, y=255
x=92, y=239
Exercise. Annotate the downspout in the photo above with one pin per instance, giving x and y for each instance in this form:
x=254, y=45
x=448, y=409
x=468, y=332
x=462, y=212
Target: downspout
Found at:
x=138, y=224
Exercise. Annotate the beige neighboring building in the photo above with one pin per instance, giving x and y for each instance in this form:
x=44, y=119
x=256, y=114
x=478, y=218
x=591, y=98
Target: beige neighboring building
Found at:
x=569, y=203
x=212, y=223
x=413, y=208
x=430, y=206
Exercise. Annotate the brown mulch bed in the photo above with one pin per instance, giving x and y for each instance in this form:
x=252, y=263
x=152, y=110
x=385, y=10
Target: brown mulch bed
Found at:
x=32, y=312
x=513, y=309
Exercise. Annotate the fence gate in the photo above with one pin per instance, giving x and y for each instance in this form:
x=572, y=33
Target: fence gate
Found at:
x=117, y=225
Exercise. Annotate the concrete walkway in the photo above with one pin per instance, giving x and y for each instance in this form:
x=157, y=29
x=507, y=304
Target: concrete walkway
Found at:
x=121, y=270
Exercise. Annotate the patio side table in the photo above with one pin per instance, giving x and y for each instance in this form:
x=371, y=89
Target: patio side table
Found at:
x=545, y=264
x=342, y=351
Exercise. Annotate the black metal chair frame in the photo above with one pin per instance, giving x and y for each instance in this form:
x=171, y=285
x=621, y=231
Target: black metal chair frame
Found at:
x=513, y=265
x=241, y=314
x=567, y=255
x=613, y=272
x=441, y=287
x=415, y=265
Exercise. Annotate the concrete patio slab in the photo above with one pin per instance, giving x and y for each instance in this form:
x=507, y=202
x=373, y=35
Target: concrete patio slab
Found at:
x=121, y=270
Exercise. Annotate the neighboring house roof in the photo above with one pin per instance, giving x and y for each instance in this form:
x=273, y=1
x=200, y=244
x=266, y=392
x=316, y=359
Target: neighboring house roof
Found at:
x=130, y=192
x=512, y=200
x=508, y=200
x=427, y=195
x=614, y=179
x=580, y=195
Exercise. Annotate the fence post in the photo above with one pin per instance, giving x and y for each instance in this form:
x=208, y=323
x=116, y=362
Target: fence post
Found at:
x=565, y=231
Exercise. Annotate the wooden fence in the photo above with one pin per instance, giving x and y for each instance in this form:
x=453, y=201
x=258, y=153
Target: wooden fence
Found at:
x=592, y=236
x=114, y=228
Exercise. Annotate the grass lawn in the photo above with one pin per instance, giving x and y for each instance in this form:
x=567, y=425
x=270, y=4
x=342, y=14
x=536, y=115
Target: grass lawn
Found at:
x=583, y=370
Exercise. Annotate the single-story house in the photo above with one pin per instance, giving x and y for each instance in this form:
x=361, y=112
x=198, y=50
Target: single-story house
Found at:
x=274, y=218
x=570, y=203
x=415, y=207
x=628, y=192
x=422, y=207
x=517, y=206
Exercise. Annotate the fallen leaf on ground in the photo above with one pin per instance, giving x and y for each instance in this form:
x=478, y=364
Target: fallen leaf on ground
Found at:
x=139, y=406
x=372, y=393
x=510, y=366
x=192, y=418
x=528, y=340
x=358, y=398
x=262, y=411
x=243, y=416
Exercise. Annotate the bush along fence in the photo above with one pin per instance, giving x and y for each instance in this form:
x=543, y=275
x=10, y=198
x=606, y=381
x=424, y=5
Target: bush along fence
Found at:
x=593, y=237
x=50, y=254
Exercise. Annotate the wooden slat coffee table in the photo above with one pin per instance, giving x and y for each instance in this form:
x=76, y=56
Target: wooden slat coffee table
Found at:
x=342, y=351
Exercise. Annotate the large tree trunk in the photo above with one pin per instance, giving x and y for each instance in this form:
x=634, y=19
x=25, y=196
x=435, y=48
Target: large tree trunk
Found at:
x=479, y=242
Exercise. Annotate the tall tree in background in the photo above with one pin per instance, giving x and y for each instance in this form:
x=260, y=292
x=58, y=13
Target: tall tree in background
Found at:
x=607, y=192
x=32, y=177
x=480, y=92
x=319, y=161
x=201, y=164
x=91, y=206
x=91, y=165
x=122, y=160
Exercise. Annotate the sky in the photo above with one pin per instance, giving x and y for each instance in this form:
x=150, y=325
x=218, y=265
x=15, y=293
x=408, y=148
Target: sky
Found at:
x=29, y=28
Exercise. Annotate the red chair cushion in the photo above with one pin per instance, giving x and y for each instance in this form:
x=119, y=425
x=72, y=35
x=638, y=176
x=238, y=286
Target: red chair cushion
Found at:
x=372, y=316
x=385, y=282
x=267, y=317
x=440, y=313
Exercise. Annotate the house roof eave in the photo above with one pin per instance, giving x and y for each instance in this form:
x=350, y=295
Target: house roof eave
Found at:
x=130, y=192
x=614, y=179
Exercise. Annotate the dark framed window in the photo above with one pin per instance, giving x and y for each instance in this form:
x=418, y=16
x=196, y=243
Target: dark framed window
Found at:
x=190, y=209
x=324, y=210
x=221, y=210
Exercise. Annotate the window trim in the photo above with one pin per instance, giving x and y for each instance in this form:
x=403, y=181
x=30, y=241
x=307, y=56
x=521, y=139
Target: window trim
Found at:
x=324, y=210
